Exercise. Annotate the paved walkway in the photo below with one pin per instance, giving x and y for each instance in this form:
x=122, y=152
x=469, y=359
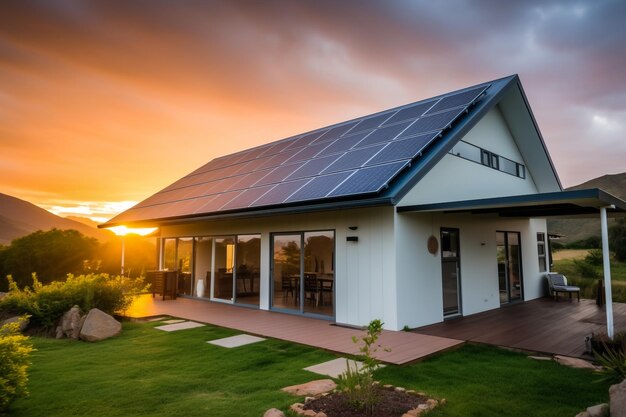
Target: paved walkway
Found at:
x=404, y=347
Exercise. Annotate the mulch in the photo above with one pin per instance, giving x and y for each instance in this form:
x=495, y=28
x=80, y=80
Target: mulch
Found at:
x=389, y=404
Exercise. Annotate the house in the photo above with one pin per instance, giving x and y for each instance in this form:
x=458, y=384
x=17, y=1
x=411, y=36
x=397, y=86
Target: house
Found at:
x=412, y=215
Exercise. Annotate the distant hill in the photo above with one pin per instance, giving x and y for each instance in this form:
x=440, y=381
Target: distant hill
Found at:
x=578, y=229
x=19, y=218
x=83, y=220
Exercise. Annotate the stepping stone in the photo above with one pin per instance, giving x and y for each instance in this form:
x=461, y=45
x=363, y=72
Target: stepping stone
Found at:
x=311, y=388
x=172, y=321
x=157, y=318
x=179, y=326
x=236, y=341
x=335, y=367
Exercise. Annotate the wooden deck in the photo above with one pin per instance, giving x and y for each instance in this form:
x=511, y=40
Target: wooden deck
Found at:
x=543, y=325
x=404, y=347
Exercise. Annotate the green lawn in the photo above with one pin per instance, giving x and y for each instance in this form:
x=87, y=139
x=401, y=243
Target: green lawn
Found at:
x=149, y=372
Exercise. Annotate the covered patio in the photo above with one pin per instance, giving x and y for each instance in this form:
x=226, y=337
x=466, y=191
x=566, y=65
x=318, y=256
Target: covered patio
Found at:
x=543, y=325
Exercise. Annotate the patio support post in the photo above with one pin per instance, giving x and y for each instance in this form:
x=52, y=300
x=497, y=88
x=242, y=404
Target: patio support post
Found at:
x=607, y=273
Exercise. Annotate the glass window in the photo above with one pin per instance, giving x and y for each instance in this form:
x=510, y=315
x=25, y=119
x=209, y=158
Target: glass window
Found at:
x=541, y=251
x=319, y=274
x=486, y=158
x=224, y=262
x=184, y=262
x=508, y=166
x=169, y=254
x=248, y=270
x=286, y=274
x=204, y=259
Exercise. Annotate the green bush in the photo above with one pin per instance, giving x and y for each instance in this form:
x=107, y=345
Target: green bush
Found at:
x=586, y=269
x=594, y=257
x=47, y=303
x=14, y=353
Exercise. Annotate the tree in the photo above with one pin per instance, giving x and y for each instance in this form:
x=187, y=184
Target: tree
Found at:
x=52, y=255
x=617, y=239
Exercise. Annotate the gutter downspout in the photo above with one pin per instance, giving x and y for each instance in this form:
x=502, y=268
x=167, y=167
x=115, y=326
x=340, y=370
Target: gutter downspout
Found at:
x=607, y=272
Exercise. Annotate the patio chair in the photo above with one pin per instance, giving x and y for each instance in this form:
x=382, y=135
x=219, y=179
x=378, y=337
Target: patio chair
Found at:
x=557, y=283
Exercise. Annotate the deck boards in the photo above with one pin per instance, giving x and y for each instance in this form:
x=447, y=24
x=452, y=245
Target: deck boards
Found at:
x=543, y=325
x=404, y=347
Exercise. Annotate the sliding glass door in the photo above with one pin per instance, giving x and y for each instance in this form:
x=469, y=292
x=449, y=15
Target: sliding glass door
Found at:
x=450, y=272
x=302, y=272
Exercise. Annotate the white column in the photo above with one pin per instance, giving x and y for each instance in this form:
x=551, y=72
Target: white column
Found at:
x=607, y=273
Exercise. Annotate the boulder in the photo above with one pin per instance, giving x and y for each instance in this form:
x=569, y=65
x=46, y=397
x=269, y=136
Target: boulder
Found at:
x=274, y=412
x=70, y=324
x=574, y=362
x=598, y=410
x=311, y=388
x=99, y=325
x=617, y=399
x=23, y=323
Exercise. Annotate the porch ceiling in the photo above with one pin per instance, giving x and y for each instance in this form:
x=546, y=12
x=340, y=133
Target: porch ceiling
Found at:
x=575, y=203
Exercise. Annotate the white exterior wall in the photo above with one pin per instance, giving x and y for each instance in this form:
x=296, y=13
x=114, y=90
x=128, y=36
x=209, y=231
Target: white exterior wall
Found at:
x=364, y=270
x=457, y=179
x=419, y=288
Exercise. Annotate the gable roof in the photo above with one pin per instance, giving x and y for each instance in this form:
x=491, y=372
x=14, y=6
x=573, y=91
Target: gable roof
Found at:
x=372, y=160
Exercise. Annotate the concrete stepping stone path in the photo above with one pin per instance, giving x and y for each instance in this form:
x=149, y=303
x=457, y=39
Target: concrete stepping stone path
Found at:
x=179, y=326
x=236, y=341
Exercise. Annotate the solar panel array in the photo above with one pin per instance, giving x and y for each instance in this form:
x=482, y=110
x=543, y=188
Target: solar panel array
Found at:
x=355, y=158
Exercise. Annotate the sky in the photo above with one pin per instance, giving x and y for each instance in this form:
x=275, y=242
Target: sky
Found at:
x=104, y=103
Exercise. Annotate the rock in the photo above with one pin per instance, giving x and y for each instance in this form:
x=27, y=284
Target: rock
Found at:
x=574, y=362
x=541, y=358
x=274, y=412
x=400, y=389
x=23, y=323
x=99, y=325
x=309, y=413
x=311, y=388
x=70, y=324
x=297, y=407
x=597, y=410
x=414, y=412
x=617, y=399
x=582, y=414
x=321, y=414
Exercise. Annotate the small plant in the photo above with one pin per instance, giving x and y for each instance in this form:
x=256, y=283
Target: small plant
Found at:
x=586, y=269
x=14, y=353
x=358, y=384
x=613, y=362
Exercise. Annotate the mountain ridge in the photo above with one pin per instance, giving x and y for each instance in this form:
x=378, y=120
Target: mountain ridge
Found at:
x=19, y=218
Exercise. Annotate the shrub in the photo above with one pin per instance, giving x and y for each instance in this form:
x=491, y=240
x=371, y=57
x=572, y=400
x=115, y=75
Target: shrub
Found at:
x=586, y=269
x=617, y=239
x=47, y=303
x=594, y=257
x=613, y=362
x=14, y=351
x=359, y=384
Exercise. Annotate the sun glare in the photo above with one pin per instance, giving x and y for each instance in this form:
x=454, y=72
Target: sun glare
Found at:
x=123, y=230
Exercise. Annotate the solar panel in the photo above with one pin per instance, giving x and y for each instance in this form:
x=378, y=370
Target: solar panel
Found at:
x=410, y=112
x=280, y=192
x=308, y=152
x=457, y=100
x=353, y=159
x=248, y=180
x=403, y=149
x=384, y=134
x=343, y=144
x=319, y=187
x=371, y=122
x=246, y=198
x=313, y=167
x=361, y=156
x=335, y=132
x=438, y=121
x=369, y=180
x=277, y=175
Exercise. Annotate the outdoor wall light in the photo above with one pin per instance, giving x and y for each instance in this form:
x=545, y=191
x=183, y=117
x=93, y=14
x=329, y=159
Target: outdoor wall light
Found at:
x=353, y=227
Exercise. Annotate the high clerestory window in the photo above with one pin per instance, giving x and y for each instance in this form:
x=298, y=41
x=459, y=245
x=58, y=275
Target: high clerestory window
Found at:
x=489, y=159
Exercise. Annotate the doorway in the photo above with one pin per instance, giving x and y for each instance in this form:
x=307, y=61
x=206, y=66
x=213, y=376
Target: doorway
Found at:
x=451, y=271
x=509, y=255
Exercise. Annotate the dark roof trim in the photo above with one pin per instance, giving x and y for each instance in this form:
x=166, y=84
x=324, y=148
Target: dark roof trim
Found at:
x=255, y=212
x=562, y=203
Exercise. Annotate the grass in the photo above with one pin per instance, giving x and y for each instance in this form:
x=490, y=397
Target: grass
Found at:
x=566, y=266
x=148, y=372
